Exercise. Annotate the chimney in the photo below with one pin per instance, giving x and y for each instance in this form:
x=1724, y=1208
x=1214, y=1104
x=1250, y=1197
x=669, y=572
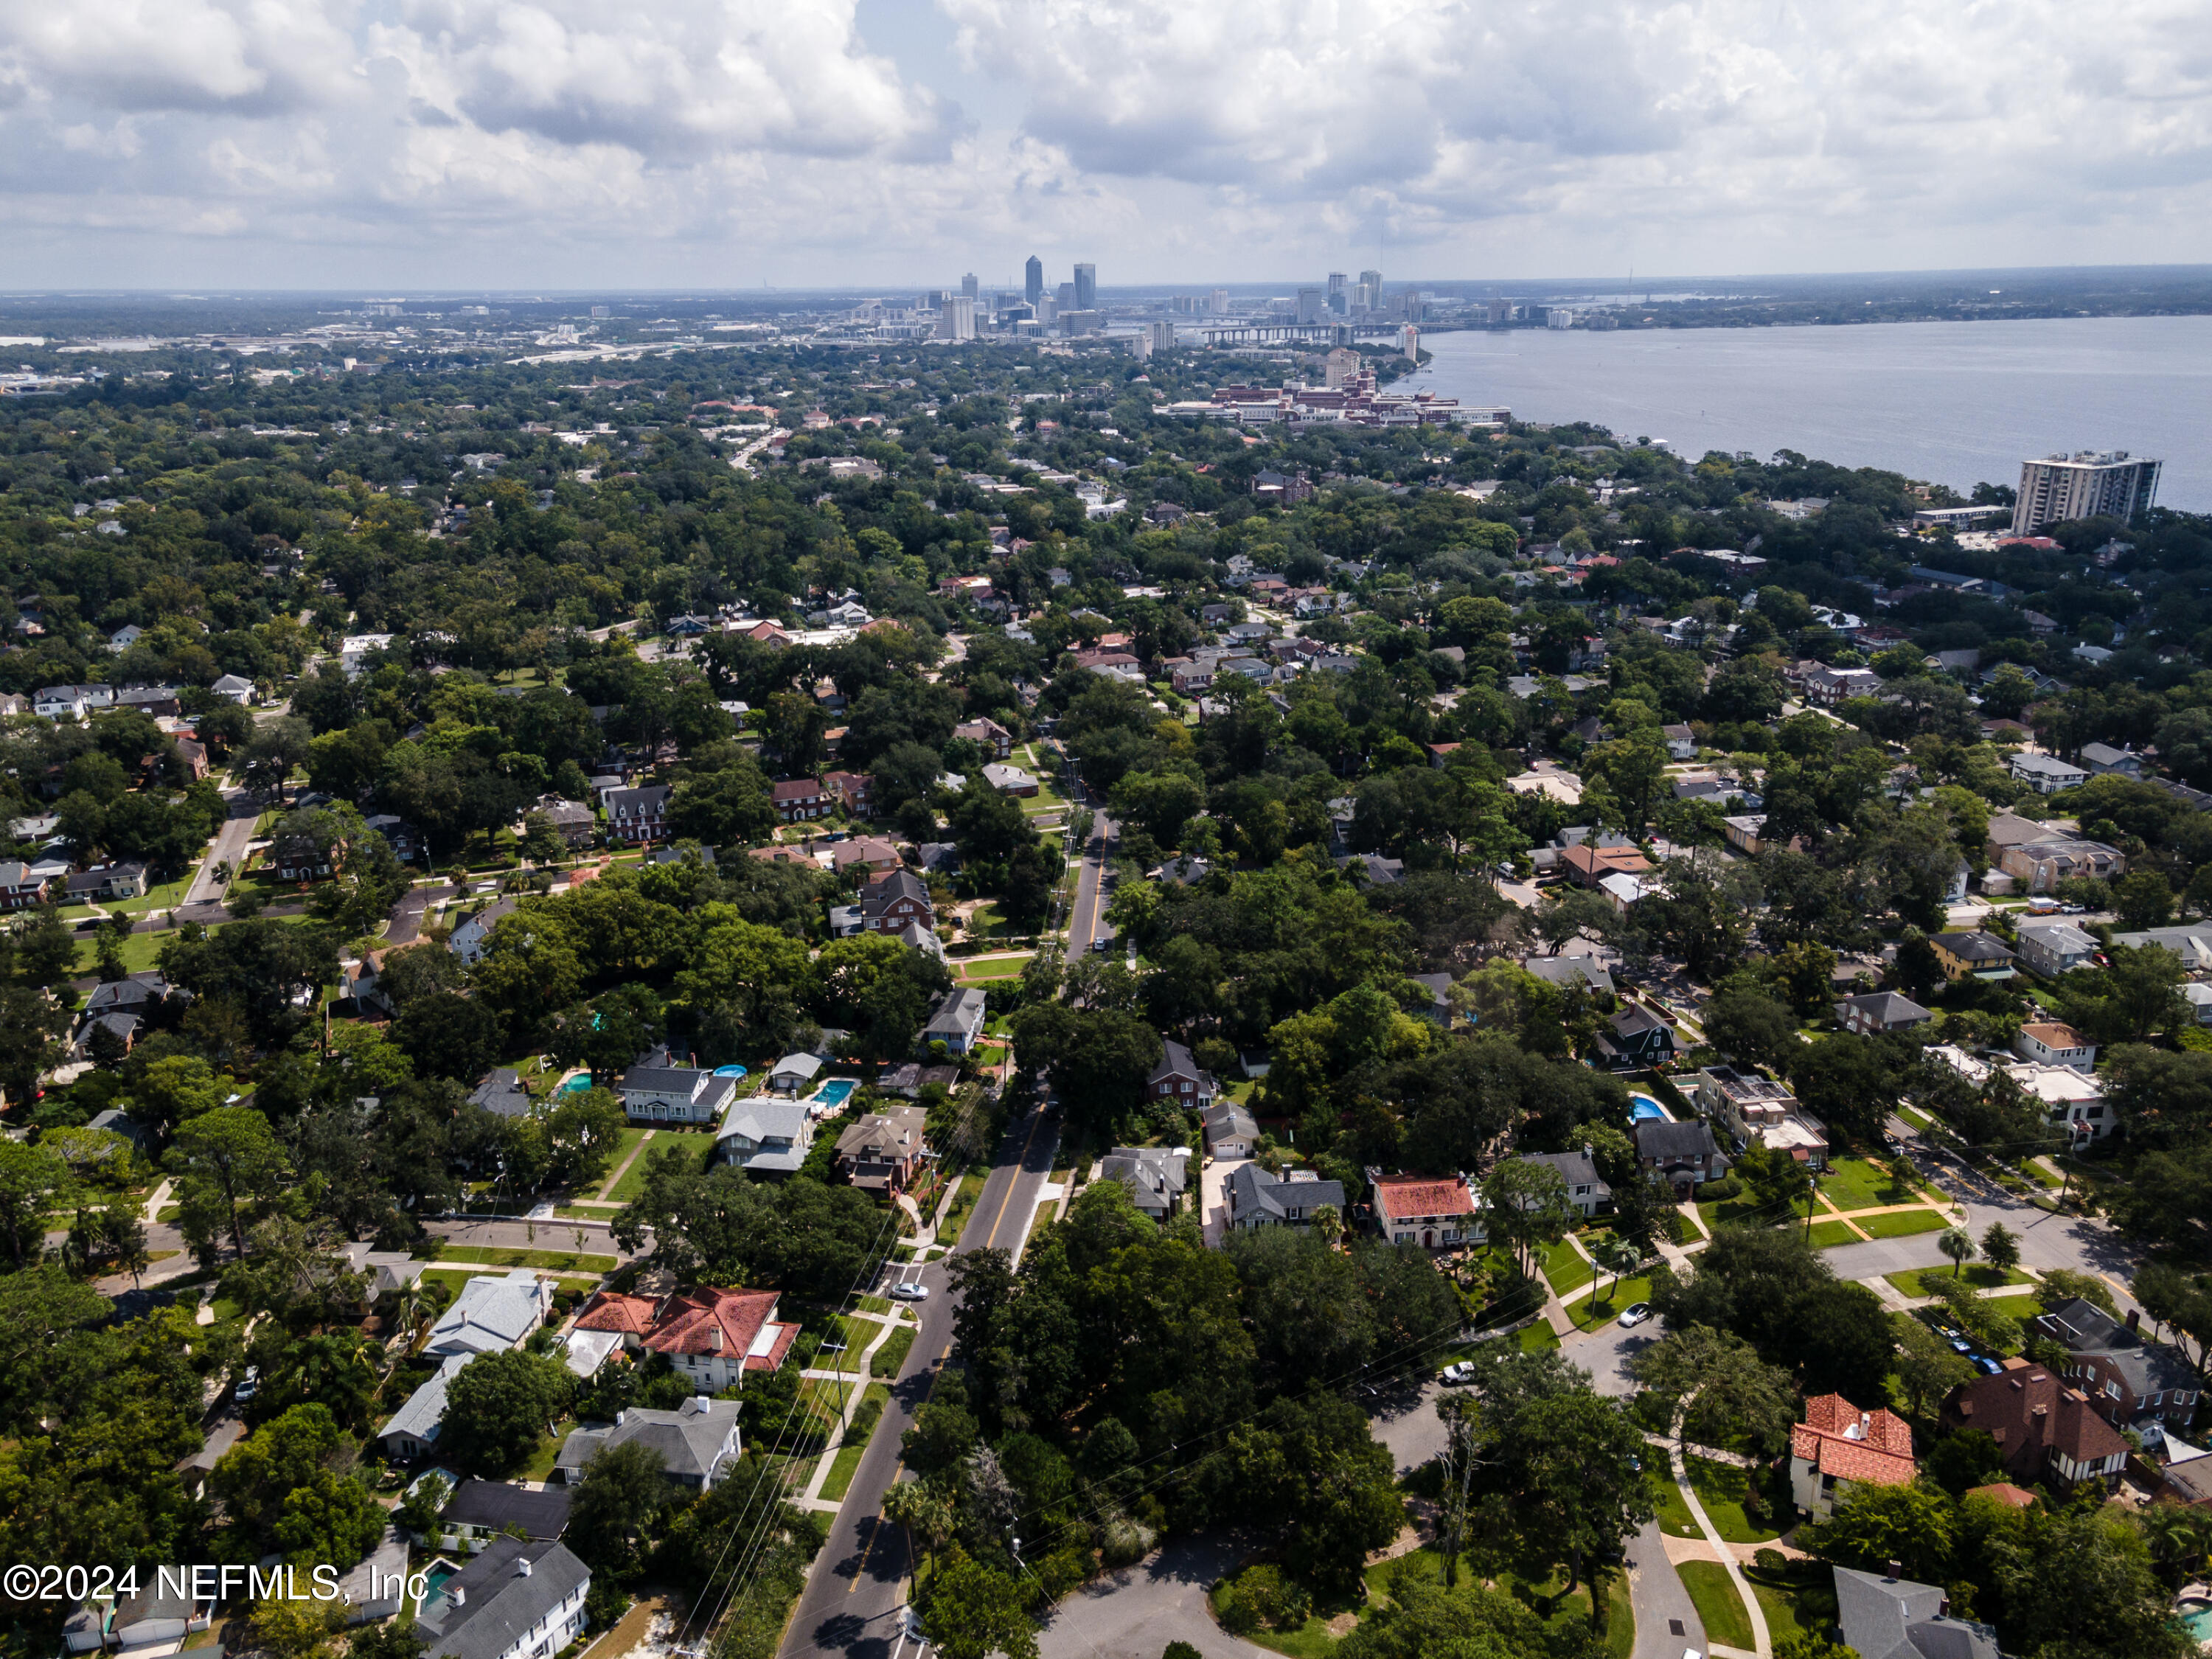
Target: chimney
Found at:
x=2135, y=1319
x=1896, y=1571
x=522, y=1566
x=714, y=1337
x=701, y=1404
x=1943, y=1608
x=457, y=1595
x=619, y=1416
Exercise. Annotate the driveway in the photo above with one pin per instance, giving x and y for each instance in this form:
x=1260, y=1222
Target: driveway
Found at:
x=1213, y=1198
x=1135, y=1612
x=1667, y=1623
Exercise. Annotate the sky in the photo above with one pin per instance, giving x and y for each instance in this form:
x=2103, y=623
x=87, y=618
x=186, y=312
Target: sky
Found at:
x=413, y=145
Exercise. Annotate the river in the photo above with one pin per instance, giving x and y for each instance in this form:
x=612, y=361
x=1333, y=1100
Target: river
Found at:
x=1951, y=402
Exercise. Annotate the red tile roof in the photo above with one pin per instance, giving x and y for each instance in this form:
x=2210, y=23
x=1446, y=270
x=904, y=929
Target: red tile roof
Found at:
x=2005, y=1492
x=1874, y=1448
x=1400, y=1196
x=611, y=1311
x=690, y=1324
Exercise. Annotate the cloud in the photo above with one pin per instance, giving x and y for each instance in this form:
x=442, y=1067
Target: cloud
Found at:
x=540, y=141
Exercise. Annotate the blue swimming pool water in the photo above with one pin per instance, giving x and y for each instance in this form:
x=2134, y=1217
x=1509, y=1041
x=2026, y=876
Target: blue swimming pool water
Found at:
x=836, y=1091
x=577, y=1084
x=1643, y=1107
x=729, y=1070
x=2198, y=1622
x=438, y=1572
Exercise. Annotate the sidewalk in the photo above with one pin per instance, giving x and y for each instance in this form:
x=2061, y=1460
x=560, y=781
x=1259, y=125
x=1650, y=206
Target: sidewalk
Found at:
x=811, y=1499
x=1762, y=1642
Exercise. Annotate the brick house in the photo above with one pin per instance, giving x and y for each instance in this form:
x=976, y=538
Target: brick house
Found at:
x=994, y=737
x=885, y=1151
x=638, y=815
x=713, y=1337
x=798, y=801
x=2130, y=1382
x=2044, y=1429
x=1682, y=1155
x=1178, y=1076
x=892, y=900
x=856, y=789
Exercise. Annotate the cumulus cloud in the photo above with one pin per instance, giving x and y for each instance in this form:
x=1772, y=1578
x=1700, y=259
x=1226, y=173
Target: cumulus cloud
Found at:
x=574, y=141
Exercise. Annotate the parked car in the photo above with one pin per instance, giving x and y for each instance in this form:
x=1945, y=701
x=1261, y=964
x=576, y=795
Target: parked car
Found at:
x=909, y=1290
x=1453, y=1375
x=1635, y=1314
x=248, y=1385
x=1988, y=1365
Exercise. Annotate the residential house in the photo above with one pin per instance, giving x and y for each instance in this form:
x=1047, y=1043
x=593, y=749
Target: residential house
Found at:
x=2046, y=774
x=517, y=1599
x=154, y=1620
x=765, y=1135
x=473, y=932
x=996, y=740
x=711, y=1336
x=233, y=688
x=2192, y=944
x=798, y=801
x=2103, y=760
x=1157, y=1176
x=794, y=1073
x=893, y=900
x=885, y=1151
x=1009, y=780
x=480, y=1510
x=489, y=1315
x=2132, y=1383
x=1583, y=970
x=2055, y=1043
x=1587, y=1191
x=1758, y=1111
x=192, y=755
x=1681, y=742
x=1879, y=1012
x=20, y=887
x=375, y=1588
x=2044, y=1429
x=957, y=1021
x=1742, y=832
x=2038, y=867
x=909, y=1079
x=1230, y=1131
x=1258, y=1199
x=110, y=881
x=502, y=1095
x=1373, y=869
x=1625, y=892
x=2054, y=948
x=576, y=823
x=1587, y=864
x=1839, y=1447
x=1439, y=1010
x=1827, y=687
x=1683, y=1156
x=1436, y=1213
x=296, y=857
x=1894, y=1617
x=2073, y=1100
x=638, y=815
x=1177, y=1076
x=1635, y=1038
x=402, y=837
x=655, y=1089
x=1980, y=956
x=857, y=790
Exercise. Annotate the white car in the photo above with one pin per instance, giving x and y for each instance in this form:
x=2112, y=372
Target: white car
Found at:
x=911, y=1290
x=1453, y=1375
x=1636, y=1314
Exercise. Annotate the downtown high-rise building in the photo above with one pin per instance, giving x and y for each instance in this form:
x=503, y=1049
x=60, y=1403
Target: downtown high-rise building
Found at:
x=955, y=317
x=1033, y=280
x=970, y=287
x=2087, y=484
x=1310, y=305
x=1339, y=297
x=1086, y=288
x=1374, y=280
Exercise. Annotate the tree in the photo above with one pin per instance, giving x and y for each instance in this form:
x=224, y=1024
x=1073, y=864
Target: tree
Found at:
x=1959, y=1244
x=923, y=1510
x=1617, y=1256
x=623, y=1491
x=275, y=748
x=498, y=1406
x=1875, y=1525
x=1927, y=1368
x=1752, y=1028
x=2000, y=1247
x=1526, y=1203
x=974, y=1611
x=231, y=1153
x=292, y=1629
x=1572, y=913
x=1718, y=1388
x=30, y=1023
x=1582, y=1485
x=46, y=949
x=32, y=1182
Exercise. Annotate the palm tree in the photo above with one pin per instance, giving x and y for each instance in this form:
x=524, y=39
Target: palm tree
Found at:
x=1329, y=1222
x=927, y=1519
x=1959, y=1244
x=1616, y=1256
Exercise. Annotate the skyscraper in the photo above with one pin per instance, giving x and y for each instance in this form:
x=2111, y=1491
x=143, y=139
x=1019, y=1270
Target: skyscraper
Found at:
x=2084, y=485
x=1086, y=288
x=1033, y=280
x=1339, y=300
x=1374, y=280
x=1308, y=305
x=968, y=285
x=956, y=318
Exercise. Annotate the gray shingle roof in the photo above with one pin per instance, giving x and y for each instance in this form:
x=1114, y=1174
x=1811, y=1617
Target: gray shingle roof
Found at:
x=1253, y=1191
x=1896, y=1618
x=497, y=1505
x=689, y=1439
x=500, y=1604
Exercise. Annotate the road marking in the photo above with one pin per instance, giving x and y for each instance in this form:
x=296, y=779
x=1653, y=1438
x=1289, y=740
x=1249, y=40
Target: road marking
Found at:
x=1036, y=1119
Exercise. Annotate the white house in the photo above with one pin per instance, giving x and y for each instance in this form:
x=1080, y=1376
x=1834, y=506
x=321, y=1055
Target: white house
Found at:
x=656, y=1090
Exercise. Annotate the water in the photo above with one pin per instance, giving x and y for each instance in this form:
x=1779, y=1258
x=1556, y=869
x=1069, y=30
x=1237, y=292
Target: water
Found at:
x=836, y=1091
x=1643, y=1108
x=1951, y=402
x=577, y=1085
x=436, y=1575
x=729, y=1070
x=2198, y=1623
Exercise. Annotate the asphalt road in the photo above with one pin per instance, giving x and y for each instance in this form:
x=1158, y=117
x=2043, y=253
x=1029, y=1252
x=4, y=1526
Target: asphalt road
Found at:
x=853, y=1596
x=228, y=847
x=1086, y=919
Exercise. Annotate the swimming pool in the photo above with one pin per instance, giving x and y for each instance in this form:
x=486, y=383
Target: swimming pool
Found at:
x=729, y=1070
x=836, y=1091
x=1643, y=1108
x=577, y=1085
x=435, y=1576
x=2198, y=1621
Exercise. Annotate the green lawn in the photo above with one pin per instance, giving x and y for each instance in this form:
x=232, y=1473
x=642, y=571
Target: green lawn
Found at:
x=1731, y=1212
x=1720, y=1487
x=558, y=1261
x=540, y=1466
x=632, y=1136
x=1727, y=1622
x=1918, y=1119
x=1799, y=1601
x=996, y=968
x=1920, y=1281
x=1859, y=1183
x=1902, y=1223
x=1565, y=1267
x=854, y=1334
x=842, y=1465
x=875, y=1304
x=1591, y=1311
x=631, y=1186
x=1828, y=1234
x=1675, y=1518
x=1537, y=1337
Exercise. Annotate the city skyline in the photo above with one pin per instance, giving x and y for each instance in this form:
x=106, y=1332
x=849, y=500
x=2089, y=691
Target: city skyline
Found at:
x=315, y=143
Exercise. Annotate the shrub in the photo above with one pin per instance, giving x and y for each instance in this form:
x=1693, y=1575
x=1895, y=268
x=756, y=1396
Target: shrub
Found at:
x=1769, y=1560
x=1270, y=1598
x=1718, y=1191
x=865, y=1419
